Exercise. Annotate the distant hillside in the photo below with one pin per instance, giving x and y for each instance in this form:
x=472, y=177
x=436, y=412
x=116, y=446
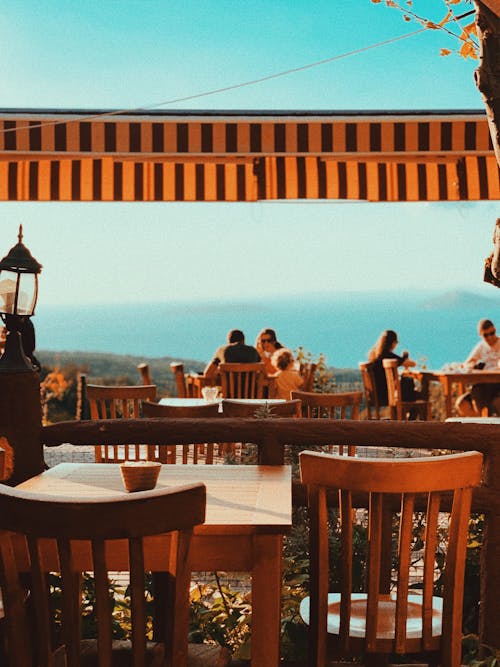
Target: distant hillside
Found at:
x=455, y=300
x=102, y=367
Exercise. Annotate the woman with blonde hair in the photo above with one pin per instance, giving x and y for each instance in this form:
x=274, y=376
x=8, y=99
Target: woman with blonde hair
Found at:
x=287, y=378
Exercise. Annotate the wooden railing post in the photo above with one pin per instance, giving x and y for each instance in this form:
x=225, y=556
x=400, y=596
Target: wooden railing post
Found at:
x=271, y=452
x=489, y=611
x=20, y=425
x=82, y=408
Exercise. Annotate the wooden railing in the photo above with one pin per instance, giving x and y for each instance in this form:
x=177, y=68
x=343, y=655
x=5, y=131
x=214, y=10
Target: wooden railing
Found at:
x=271, y=436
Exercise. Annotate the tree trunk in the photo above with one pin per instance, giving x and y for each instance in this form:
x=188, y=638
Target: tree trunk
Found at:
x=487, y=75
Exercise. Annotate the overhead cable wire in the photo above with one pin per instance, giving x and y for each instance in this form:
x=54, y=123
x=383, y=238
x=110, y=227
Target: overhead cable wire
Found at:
x=224, y=89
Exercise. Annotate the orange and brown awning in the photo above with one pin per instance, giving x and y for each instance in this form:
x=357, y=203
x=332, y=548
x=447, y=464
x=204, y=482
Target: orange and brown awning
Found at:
x=246, y=156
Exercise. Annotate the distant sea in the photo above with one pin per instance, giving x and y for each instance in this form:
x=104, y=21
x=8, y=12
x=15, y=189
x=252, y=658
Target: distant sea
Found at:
x=435, y=328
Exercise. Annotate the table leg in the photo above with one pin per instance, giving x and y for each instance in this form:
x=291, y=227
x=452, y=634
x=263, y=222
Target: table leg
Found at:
x=266, y=600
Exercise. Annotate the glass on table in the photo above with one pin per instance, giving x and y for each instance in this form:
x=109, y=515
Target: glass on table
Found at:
x=210, y=394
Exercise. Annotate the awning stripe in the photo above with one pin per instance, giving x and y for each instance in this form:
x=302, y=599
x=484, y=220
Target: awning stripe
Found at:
x=470, y=178
x=373, y=156
x=108, y=180
x=171, y=138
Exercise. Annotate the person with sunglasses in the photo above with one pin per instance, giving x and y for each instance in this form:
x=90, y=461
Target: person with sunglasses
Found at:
x=485, y=355
x=267, y=343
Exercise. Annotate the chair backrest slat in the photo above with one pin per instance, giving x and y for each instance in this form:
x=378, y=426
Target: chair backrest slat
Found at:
x=403, y=578
x=370, y=389
x=346, y=567
x=101, y=589
x=70, y=603
x=177, y=369
x=431, y=542
x=308, y=372
x=373, y=568
x=393, y=386
x=455, y=568
x=243, y=380
x=40, y=601
x=137, y=600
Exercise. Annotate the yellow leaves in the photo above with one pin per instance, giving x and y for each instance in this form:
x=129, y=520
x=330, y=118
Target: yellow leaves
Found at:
x=54, y=385
x=446, y=18
x=468, y=50
x=435, y=26
x=468, y=30
x=444, y=52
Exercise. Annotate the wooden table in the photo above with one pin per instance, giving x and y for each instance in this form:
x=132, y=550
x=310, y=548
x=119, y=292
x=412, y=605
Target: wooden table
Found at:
x=462, y=377
x=249, y=508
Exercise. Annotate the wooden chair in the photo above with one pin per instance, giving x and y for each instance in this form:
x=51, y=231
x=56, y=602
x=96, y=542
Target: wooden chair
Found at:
x=400, y=409
x=344, y=405
x=308, y=372
x=180, y=380
x=369, y=388
x=243, y=380
x=381, y=621
x=114, y=402
x=235, y=408
x=168, y=454
x=145, y=373
x=98, y=522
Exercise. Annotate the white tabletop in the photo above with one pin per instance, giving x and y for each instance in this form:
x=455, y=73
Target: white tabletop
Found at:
x=190, y=402
x=474, y=420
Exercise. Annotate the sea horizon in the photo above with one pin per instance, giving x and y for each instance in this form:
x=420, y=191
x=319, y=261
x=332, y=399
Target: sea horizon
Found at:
x=436, y=328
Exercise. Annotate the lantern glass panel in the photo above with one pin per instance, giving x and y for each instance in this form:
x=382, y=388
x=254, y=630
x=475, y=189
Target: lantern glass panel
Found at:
x=27, y=292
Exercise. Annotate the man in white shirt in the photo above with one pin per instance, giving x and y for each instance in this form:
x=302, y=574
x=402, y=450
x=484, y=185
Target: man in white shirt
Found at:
x=485, y=356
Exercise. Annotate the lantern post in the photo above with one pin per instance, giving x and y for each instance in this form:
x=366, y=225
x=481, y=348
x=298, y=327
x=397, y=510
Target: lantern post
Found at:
x=20, y=408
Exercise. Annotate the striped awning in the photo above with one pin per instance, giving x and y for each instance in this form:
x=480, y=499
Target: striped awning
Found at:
x=246, y=156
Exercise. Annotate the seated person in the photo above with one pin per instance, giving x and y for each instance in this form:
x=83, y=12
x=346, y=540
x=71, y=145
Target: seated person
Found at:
x=266, y=344
x=485, y=355
x=384, y=349
x=234, y=352
x=287, y=377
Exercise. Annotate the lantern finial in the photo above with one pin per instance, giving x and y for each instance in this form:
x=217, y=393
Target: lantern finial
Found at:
x=20, y=235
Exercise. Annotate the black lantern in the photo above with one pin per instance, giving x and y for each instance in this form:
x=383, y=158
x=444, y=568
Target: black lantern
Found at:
x=18, y=294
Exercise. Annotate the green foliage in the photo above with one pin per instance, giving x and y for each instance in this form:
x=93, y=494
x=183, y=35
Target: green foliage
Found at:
x=222, y=616
x=118, y=600
x=324, y=380
x=478, y=655
x=58, y=392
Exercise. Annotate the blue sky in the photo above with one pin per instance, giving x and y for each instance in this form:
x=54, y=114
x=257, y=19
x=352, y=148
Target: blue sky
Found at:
x=126, y=54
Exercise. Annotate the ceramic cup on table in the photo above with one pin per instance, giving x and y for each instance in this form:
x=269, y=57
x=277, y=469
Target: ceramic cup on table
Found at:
x=140, y=475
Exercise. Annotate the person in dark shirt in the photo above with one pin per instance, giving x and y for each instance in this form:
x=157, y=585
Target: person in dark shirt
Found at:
x=234, y=352
x=384, y=349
